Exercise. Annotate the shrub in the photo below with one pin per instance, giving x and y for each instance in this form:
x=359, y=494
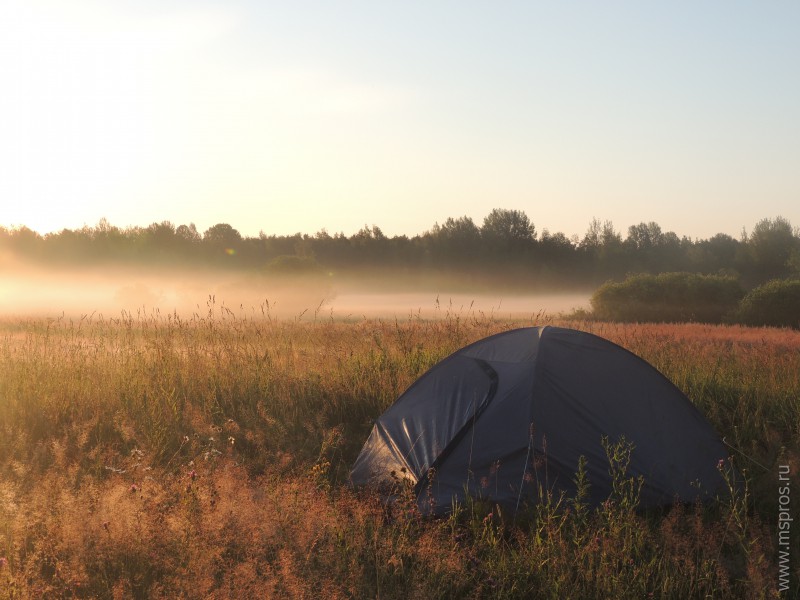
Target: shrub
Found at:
x=289, y=264
x=776, y=303
x=668, y=297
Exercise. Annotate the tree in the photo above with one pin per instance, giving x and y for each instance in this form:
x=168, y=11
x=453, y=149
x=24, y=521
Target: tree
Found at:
x=462, y=229
x=223, y=243
x=108, y=241
x=644, y=235
x=366, y=234
x=771, y=245
x=602, y=248
x=610, y=237
x=714, y=254
x=188, y=233
x=456, y=241
x=161, y=237
x=555, y=253
x=555, y=244
x=25, y=241
x=651, y=249
x=369, y=245
x=507, y=231
x=222, y=235
x=592, y=239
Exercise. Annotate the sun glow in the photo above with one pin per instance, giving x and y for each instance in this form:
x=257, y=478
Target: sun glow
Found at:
x=91, y=108
x=273, y=117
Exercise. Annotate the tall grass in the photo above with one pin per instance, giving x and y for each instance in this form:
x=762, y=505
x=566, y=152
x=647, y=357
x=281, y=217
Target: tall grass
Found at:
x=152, y=455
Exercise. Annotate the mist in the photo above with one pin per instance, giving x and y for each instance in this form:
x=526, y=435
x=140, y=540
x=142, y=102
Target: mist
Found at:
x=34, y=290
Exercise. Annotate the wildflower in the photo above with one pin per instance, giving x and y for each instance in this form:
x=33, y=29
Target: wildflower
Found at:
x=720, y=464
x=193, y=474
x=211, y=454
x=186, y=439
x=231, y=440
x=134, y=488
x=487, y=518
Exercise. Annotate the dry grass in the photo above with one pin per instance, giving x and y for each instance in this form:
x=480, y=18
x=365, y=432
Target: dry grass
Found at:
x=152, y=456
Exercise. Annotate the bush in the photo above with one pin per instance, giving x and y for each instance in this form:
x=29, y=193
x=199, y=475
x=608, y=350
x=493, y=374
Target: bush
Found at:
x=668, y=297
x=776, y=304
x=289, y=264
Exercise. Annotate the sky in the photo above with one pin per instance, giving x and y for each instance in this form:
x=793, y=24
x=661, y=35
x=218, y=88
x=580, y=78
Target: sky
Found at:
x=288, y=117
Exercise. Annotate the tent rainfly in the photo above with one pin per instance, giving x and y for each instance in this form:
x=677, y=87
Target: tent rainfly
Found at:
x=510, y=415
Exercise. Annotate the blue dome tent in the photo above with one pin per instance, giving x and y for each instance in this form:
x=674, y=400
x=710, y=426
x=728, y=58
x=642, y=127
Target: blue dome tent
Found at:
x=510, y=415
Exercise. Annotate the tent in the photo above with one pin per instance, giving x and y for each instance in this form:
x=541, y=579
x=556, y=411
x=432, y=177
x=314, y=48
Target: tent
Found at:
x=508, y=417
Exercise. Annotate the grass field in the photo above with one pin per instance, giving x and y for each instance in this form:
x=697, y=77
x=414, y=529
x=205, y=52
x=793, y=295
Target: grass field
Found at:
x=153, y=456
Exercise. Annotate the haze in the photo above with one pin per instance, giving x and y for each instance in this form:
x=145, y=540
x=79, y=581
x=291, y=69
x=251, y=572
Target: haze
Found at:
x=27, y=290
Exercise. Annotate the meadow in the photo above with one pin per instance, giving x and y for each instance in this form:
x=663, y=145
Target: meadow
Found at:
x=153, y=455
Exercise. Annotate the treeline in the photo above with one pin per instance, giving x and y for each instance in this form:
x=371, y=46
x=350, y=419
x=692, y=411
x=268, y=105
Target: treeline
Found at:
x=505, y=243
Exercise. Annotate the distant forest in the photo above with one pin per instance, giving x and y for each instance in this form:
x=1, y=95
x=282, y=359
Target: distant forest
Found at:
x=506, y=246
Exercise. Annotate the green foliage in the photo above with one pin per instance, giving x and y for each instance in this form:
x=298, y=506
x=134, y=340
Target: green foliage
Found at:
x=645, y=235
x=222, y=235
x=294, y=265
x=668, y=297
x=508, y=228
x=456, y=242
x=505, y=251
x=771, y=245
x=775, y=304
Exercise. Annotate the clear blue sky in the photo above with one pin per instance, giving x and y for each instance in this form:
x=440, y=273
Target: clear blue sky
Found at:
x=298, y=116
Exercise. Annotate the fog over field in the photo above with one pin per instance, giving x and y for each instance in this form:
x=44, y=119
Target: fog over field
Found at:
x=425, y=304
x=26, y=290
